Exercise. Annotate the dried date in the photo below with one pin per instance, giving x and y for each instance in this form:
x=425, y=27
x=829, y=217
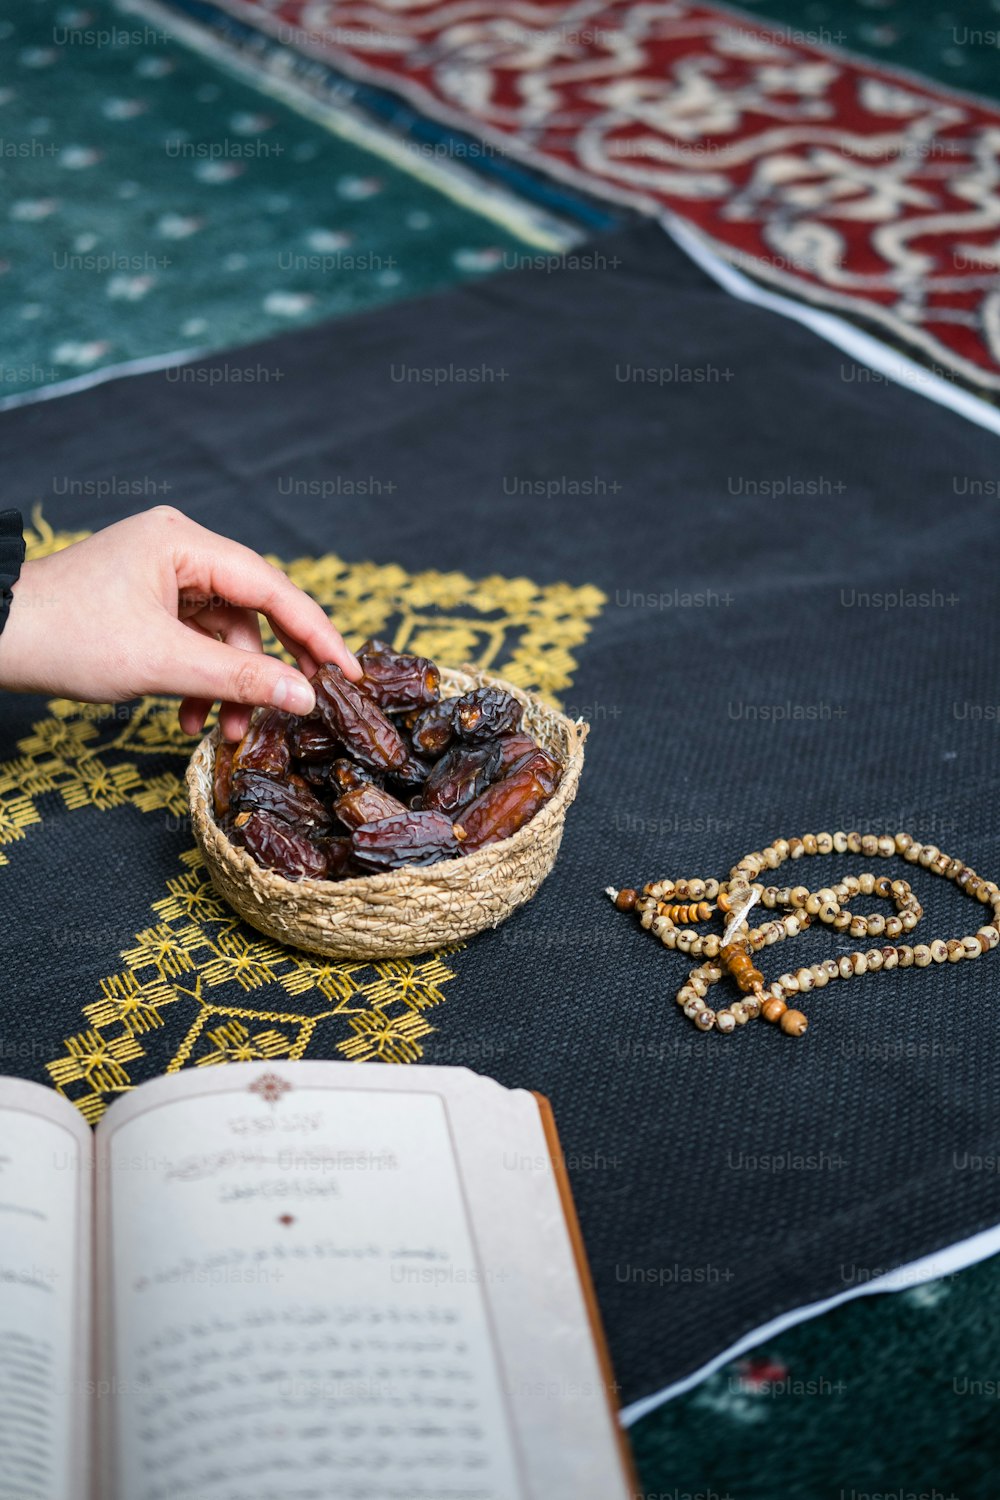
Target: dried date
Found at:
x=415, y=779
x=461, y=776
x=276, y=845
x=290, y=799
x=409, y=838
x=545, y=767
x=366, y=804
x=265, y=746
x=412, y=773
x=222, y=777
x=434, y=729
x=503, y=808
x=312, y=740
x=339, y=857
x=513, y=747
x=345, y=776
x=399, y=684
x=315, y=772
x=357, y=720
x=486, y=713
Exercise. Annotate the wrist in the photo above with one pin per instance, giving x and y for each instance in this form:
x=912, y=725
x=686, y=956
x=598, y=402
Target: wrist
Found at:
x=19, y=657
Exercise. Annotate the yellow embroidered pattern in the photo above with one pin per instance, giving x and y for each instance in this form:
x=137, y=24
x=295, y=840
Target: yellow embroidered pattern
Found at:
x=220, y=991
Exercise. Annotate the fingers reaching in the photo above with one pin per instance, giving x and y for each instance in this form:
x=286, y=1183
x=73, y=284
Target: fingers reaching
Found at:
x=203, y=670
x=239, y=628
x=218, y=568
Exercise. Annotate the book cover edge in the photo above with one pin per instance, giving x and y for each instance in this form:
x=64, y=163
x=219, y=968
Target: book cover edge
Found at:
x=548, y=1119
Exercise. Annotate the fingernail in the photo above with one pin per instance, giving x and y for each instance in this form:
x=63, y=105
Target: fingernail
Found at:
x=294, y=695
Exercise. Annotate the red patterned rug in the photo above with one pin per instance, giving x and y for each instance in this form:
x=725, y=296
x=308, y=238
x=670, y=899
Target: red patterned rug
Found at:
x=868, y=191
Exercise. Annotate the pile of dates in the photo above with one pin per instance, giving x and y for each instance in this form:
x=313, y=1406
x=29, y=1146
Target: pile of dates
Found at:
x=384, y=773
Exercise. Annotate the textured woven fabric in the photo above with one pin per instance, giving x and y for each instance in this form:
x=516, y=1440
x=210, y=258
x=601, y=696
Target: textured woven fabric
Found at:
x=766, y=580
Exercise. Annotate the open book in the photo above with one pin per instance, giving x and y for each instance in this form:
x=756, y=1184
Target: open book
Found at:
x=297, y=1281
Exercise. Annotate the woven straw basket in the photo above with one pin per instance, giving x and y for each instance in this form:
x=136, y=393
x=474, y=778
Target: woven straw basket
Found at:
x=405, y=911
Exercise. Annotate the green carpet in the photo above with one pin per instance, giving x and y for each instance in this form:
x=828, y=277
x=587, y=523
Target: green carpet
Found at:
x=893, y=1395
x=153, y=203
x=957, y=44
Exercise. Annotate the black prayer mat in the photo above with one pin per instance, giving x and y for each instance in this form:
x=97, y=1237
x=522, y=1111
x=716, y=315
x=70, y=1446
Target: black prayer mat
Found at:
x=766, y=577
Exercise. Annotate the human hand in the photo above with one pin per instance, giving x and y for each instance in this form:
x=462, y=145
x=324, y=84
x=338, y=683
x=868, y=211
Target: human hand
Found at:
x=158, y=604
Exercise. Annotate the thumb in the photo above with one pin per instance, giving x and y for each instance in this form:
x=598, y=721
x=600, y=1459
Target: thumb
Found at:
x=197, y=666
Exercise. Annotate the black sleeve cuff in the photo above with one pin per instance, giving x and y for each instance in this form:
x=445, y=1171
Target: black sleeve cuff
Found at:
x=11, y=558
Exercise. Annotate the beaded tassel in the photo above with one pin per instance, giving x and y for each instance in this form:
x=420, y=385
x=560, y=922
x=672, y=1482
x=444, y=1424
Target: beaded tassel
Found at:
x=663, y=904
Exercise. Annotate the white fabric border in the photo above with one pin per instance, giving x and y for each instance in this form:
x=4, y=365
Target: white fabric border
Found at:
x=861, y=346
x=946, y=1262
x=143, y=366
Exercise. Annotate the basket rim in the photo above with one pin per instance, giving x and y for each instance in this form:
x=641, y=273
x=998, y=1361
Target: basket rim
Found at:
x=385, y=882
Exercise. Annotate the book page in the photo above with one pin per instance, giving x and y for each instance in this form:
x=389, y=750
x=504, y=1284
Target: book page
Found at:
x=332, y=1280
x=46, y=1182
x=278, y=1324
